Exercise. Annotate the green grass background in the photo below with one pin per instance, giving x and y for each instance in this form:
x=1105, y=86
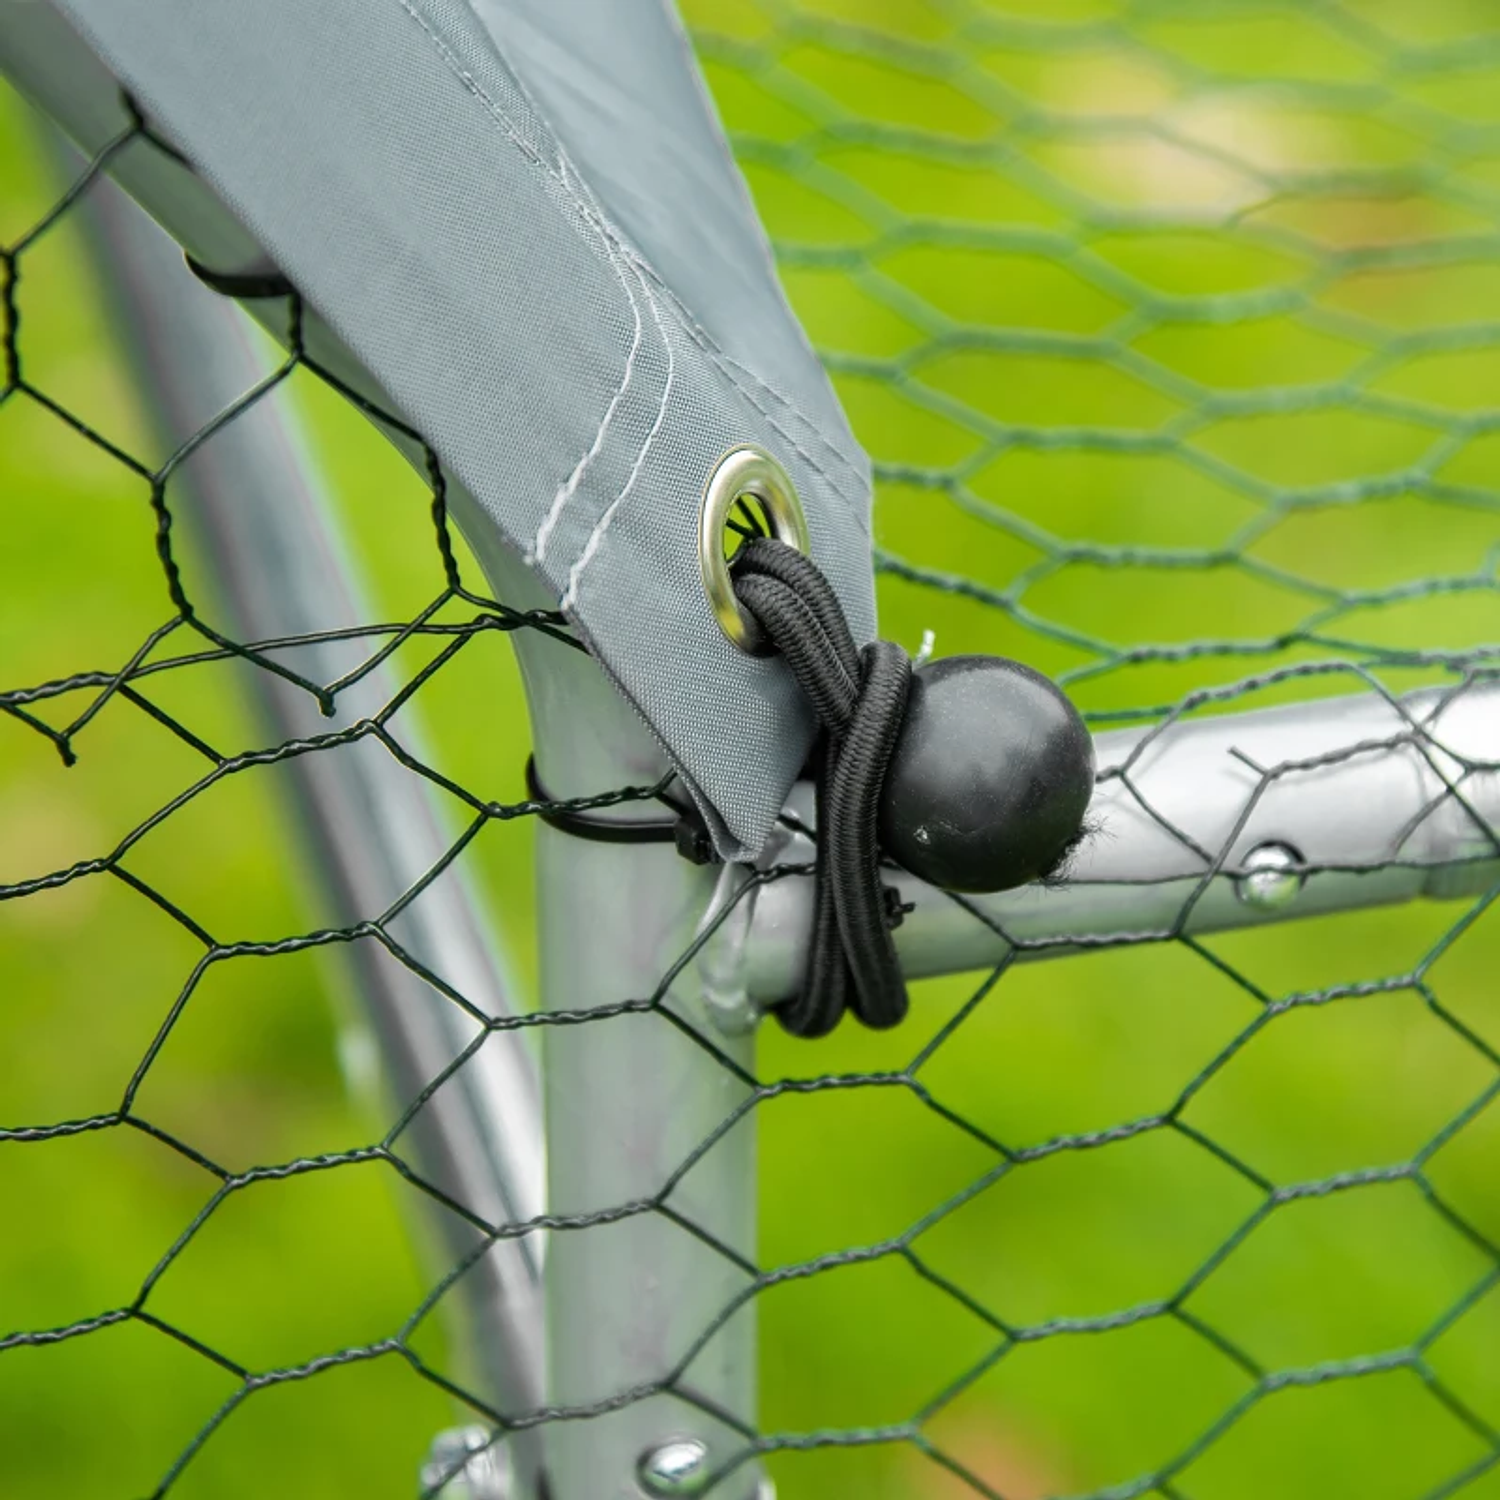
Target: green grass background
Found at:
x=1167, y=327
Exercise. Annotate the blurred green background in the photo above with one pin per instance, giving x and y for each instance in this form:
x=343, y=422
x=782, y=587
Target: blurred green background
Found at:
x=1174, y=332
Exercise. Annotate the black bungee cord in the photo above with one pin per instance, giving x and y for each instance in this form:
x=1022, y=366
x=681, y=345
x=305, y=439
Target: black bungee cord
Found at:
x=972, y=772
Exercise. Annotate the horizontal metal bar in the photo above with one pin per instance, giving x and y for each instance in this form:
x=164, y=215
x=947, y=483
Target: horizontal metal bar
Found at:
x=1366, y=800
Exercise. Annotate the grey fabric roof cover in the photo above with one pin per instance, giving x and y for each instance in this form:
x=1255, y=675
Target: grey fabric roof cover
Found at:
x=522, y=217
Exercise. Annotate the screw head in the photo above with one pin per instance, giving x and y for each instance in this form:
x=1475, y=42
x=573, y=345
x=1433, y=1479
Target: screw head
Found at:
x=1271, y=879
x=468, y=1465
x=677, y=1467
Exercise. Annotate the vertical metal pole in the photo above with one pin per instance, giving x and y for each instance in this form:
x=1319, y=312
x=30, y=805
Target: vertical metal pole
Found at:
x=637, y=1274
x=627, y=1100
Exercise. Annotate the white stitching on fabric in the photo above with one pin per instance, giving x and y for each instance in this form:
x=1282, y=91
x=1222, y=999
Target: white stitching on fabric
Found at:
x=566, y=492
x=751, y=383
x=588, y=211
x=596, y=536
x=476, y=88
x=700, y=336
x=730, y=365
x=860, y=518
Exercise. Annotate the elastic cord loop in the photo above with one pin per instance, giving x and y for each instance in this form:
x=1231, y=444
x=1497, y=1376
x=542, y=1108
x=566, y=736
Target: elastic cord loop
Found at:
x=860, y=699
x=855, y=780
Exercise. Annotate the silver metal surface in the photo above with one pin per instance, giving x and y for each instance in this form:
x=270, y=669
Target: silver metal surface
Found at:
x=678, y=1467
x=250, y=498
x=1271, y=877
x=655, y=1245
x=1384, y=799
x=465, y=1464
x=744, y=472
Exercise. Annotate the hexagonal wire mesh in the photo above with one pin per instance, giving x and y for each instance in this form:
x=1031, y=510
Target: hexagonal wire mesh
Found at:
x=1168, y=328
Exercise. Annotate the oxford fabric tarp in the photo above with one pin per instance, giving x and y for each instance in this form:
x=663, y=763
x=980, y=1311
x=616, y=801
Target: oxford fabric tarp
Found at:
x=521, y=217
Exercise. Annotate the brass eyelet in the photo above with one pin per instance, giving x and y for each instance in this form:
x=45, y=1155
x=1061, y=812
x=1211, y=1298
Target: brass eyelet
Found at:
x=742, y=472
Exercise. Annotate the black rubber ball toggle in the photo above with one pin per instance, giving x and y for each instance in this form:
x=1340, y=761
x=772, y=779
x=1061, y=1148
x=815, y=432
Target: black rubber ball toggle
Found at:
x=991, y=776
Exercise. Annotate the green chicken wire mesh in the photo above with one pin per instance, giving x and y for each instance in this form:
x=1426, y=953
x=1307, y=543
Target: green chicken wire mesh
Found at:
x=1173, y=332
x=1170, y=330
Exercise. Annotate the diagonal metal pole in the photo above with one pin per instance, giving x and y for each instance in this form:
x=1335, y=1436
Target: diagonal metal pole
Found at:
x=251, y=498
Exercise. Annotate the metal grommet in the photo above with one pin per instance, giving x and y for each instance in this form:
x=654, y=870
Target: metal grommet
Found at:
x=741, y=472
